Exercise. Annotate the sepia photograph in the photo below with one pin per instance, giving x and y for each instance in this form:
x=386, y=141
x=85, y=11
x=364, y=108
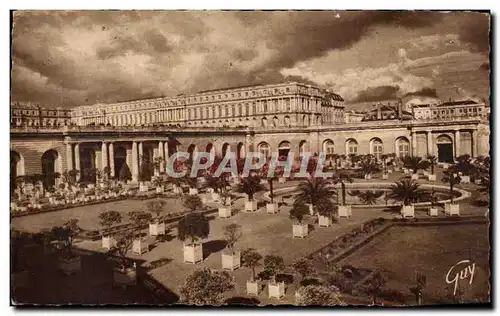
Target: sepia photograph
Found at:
x=250, y=158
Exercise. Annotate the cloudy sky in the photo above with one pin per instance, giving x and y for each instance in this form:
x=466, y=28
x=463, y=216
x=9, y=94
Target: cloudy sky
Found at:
x=76, y=58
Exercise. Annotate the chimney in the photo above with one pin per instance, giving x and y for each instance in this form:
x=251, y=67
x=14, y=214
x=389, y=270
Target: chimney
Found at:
x=379, y=114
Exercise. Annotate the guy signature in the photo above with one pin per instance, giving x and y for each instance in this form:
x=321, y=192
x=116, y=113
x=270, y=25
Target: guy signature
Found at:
x=467, y=271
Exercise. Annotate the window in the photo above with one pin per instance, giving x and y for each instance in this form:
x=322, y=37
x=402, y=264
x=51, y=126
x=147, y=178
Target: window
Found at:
x=352, y=147
x=287, y=89
x=403, y=148
x=377, y=148
x=328, y=147
x=265, y=149
x=253, y=108
x=264, y=104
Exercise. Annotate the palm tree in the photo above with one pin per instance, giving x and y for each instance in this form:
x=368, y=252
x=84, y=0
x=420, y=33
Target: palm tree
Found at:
x=414, y=163
x=406, y=191
x=368, y=197
x=384, y=164
x=452, y=177
x=314, y=191
x=464, y=165
x=250, y=185
x=368, y=166
x=342, y=177
x=432, y=162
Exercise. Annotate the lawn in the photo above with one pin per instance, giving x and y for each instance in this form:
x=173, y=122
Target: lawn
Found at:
x=432, y=250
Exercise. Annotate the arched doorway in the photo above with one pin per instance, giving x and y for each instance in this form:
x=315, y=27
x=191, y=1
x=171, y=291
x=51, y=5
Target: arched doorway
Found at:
x=302, y=146
x=284, y=148
x=49, y=167
x=211, y=150
x=15, y=166
x=445, y=148
x=402, y=147
x=120, y=159
x=240, y=149
x=225, y=148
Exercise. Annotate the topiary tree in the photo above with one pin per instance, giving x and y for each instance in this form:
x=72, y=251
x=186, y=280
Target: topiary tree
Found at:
x=65, y=235
x=192, y=227
x=125, y=174
x=156, y=206
x=232, y=233
x=250, y=258
x=110, y=218
x=140, y=217
x=206, y=287
x=192, y=203
x=273, y=265
x=318, y=294
x=299, y=211
x=303, y=267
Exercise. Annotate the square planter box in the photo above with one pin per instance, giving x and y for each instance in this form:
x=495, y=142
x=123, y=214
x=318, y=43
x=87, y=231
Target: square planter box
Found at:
x=193, y=253
x=177, y=190
x=282, y=180
x=389, y=171
x=271, y=208
x=276, y=290
x=225, y=212
x=408, y=211
x=368, y=176
x=385, y=176
x=253, y=287
x=125, y=277
x=426, y=173
x=300, y=230
x=250, y=206
x=445, y=166
x=108, y=242
x=478, y=181
x=227, y=201
x=140, y=246
x=324, y=221
x=432, y=177
x=345, y=211
x=465, y=179
x=414, y=176
x=231, y=261
x=263, y=182
x=433, y=211
x=193, y=191
x=160, y=189
x=143, y=187
x=406, y=171
x=70, y=265
x=156, y=229
x=452, y=209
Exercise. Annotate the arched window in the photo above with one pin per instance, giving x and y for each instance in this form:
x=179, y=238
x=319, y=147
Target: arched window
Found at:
x=265, y=149
x=377, y=148
x=287, y=121
x=264, y=122
x=328, y=147
x=275, y=121
x=403, y=147
x=302, y=146
x=352, y=147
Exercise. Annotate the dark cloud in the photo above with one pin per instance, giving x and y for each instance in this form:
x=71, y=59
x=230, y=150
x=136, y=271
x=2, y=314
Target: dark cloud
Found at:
x=425, y=92
x=476, y=31
x=136, y=55
x=377, y=94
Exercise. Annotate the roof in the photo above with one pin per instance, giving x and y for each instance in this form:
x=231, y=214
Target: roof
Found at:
x=464, y=102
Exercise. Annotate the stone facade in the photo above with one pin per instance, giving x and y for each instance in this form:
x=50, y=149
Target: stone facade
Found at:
x=34, y=115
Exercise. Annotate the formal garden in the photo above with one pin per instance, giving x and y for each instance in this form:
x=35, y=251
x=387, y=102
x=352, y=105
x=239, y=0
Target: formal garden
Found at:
x=378, y=231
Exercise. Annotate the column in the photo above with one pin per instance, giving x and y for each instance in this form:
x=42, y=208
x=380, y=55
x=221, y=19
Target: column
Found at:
x=111, y=160
x=135, y=169
x=166, y=153
x=161, y=154
x=69, y=157
x=77, y=161
x=475, y=142
x=429, y=143
x=414, y=144
x=457, y=143
x=104, y=156
x=140, y=153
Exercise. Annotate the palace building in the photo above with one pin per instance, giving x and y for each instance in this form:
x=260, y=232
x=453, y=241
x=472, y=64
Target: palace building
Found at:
x=285, y=117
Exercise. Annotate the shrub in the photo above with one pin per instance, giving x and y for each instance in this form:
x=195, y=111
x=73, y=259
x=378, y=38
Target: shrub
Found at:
x=206, y=287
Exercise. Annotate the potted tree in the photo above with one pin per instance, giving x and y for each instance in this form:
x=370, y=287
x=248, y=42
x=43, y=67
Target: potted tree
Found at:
x=433, y=210
x=157, y=207
x=124, y=275
x=303, y=267
x=159, y=183
x=318, y=295
x=108, y=219
x=250, y=185
x=250, y=258
x=158, y=162
x=368, y=167
x=342, y=177
x=206, y=287
x=406, y=191
x=312, y=192
x=69, y=262
x=192, y=203
x=274, y=265
x=432, y=161
x=191, y=229
x=465, y=168
x=415, y=163
x=144, y=175
x=140, y=218
x=231, y=259
x=451, y=177
x=272, y=208
x=326, y=211
x=298, y=212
